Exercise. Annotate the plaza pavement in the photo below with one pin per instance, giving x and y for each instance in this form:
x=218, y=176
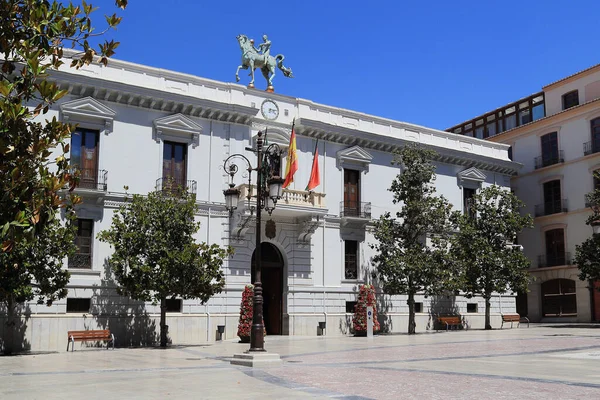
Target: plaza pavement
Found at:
x=524, y=363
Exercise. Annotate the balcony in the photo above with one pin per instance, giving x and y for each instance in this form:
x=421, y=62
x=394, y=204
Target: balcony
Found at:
x=91, y=179
x=173, y=185
x=551, y=207
x=591, y=147
x=549, y=159
x=292, y=201
x=554, y=260
x=355, y=214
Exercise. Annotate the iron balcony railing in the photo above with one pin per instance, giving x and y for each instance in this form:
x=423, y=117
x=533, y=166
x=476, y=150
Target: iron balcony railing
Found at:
x=549, y=159
x=554, y=260
x=551, y=207
x=92, y=179
x=83, y=256
x=355, y=209
x=591, y=147
x=350, y=266
x=170, y=184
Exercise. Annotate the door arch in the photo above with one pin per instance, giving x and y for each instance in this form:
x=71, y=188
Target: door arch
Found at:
x=272, y=284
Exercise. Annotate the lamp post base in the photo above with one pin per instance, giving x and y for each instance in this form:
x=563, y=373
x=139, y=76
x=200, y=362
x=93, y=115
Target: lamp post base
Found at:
x=256, y=359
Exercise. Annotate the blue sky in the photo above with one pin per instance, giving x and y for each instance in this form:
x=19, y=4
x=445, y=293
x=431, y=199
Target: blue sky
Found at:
x=433, y=63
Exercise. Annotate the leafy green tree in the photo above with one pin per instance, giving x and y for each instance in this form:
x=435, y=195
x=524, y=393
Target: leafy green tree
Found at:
x=156, y=256
x=587, y=254
x=412, y=244
x=34, y=167
x=482, y=248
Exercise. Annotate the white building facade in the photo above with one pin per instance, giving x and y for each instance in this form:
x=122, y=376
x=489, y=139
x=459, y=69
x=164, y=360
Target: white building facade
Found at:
x=139, y=125
x=555, y=134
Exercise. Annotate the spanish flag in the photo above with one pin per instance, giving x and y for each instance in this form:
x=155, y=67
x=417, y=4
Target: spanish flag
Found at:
x=315, y=176
x=292, y=159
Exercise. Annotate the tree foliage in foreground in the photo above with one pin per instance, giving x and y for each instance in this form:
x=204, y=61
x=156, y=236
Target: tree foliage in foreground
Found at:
x=587, y=254
x=156, y=256
x=482, y=248
x=34, y=166
x=412, y=244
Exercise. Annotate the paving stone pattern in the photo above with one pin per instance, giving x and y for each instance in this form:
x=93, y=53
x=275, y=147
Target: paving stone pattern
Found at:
x=525, y=363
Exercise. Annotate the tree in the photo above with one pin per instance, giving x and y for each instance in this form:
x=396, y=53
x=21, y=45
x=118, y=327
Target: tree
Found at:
x=34, y=167
x=483, y=247
x=155, y=255
x=586, y=254
x=411, y=246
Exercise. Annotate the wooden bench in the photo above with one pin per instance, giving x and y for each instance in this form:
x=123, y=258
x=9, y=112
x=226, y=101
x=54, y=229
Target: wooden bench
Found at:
x=513, y=318
x=90, y=336
x=450, y=321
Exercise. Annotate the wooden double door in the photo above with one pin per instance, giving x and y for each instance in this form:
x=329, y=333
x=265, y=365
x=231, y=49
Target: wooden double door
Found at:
x=272, y=284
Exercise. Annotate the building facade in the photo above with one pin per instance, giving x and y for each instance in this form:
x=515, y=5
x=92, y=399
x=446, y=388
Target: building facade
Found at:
x=139, y=126
x=555, y=134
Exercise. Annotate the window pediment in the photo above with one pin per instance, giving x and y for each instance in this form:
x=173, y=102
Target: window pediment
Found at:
x=276, y=136
x=88, y=109
x=177, y=127
x=471, y=177
x=354, y=157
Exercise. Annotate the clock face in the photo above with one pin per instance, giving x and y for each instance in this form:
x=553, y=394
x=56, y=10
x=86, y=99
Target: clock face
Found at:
x=269, y=109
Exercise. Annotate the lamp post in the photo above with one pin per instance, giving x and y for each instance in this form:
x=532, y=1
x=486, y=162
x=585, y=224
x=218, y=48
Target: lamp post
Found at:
x=269, y=188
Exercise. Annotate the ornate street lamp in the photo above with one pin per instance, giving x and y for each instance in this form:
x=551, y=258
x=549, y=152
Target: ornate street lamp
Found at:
x=269, y=189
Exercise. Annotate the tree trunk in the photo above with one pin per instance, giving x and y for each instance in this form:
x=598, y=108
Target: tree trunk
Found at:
x=488, y=325
x=163, y=322
x=411, y=314
x=10, y=323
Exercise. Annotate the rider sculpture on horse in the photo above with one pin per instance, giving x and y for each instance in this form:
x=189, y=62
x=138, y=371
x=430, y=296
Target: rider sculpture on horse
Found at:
x=252, y=59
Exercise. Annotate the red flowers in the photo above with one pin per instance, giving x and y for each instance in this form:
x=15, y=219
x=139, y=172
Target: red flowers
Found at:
x=366, y=297
x=245, y=324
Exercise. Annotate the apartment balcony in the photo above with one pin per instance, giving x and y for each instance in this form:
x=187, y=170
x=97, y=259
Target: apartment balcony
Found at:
x=554, y=260
x=551, y=207
x=591, y=147
x=355, y=213
x=172, y=185
x=91, y=184
x=549, y=159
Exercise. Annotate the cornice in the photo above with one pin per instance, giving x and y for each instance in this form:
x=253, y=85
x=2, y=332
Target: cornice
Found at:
x=150, y=98
x=352, y=137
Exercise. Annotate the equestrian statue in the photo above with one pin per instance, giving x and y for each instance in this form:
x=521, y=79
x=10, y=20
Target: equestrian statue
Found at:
x=260, y=57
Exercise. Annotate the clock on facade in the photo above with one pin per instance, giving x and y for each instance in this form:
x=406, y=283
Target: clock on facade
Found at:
x=269, y=109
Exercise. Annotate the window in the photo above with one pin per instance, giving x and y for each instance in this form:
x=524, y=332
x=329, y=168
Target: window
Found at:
x=471, y=307
x=78, y=305
x=351, y=193
x=350, y=305
x=508, y=117
x=570, y=99
x=350, y=259
x=550, y=153
x=468, y=195
x=510, y=153
x=552, y=197
x=555, y=248
x=174, y=165
x=83, y=240
x=174, y=305
x=84, y=156
x=594, y=145
x=418, y=307
x=596, y=180
x=559, y=298
x=524, y=117
x=479, y=132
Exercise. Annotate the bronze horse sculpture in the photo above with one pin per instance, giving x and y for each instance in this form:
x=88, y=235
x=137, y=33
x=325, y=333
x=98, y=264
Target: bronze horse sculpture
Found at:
x=252, y=59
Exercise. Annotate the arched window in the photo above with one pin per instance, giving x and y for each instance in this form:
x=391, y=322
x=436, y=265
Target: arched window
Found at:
x=559, y=298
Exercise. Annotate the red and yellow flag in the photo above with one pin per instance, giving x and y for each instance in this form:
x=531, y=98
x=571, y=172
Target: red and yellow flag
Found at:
x=292, y=160
x=315, y=176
